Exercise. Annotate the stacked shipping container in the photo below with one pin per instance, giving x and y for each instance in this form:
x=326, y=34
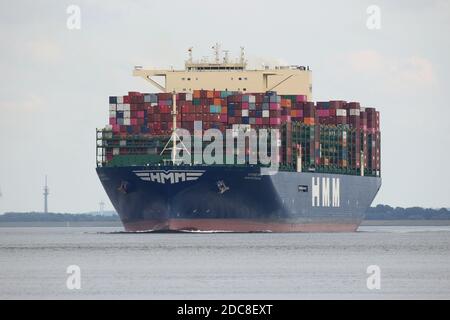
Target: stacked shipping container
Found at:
x=330, y=135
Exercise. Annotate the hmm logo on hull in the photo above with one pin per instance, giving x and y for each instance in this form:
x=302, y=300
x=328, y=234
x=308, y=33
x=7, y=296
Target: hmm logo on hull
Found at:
x=327, y=196
x=169, y=176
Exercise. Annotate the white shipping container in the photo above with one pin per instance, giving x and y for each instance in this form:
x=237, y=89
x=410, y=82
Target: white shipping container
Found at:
x=127, y=114
x=126, y=107
x=119, y=107
x=188, y=96
x=341, y=112
x=354, y=112
x=126, y=122
x=252, y=99
x=112, y=114
x=245, y=113
x=120, y=99
x=116, y=151
x=198, y=125
x=265, y=113
x=112, y=107
x=108, y=127
x=123, y=143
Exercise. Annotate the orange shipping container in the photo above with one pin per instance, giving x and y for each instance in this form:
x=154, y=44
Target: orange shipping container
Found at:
x=286, y=103
x=309, y=121
x=197, y=94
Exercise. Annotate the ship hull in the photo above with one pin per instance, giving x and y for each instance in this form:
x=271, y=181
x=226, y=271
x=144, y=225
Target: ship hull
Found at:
x=236, y=199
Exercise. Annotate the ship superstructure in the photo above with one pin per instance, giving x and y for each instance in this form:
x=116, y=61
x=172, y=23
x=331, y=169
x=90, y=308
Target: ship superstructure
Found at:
x=221, y=74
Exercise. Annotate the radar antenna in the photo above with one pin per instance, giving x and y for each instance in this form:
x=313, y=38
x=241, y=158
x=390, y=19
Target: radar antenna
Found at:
x=242, y=55
x=190, y=54
x=216, y=49
x=225, y=58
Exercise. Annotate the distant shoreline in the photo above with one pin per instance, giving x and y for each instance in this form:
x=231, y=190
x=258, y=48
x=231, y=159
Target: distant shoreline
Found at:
x=117, y=224
x=409, y=222
x=60, y=224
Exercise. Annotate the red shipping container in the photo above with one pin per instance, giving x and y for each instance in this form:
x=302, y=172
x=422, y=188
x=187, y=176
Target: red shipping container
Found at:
x=274, y=106
x=300, y=98
x=323, y=112
x=352, y=105
x=275, y=121
x=337, y=104
x=285, y=119
x=274, y=113
x=164, y=96
x=170, y=125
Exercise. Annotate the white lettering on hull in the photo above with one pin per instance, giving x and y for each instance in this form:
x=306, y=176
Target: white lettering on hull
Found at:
x=330, y=196
x=170, y=176
x=315, y=191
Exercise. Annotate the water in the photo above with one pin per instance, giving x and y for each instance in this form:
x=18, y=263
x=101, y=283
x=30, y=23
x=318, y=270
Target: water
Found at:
x=414, y=262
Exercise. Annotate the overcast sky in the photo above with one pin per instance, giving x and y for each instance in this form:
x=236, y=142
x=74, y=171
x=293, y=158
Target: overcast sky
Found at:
x=56, y=82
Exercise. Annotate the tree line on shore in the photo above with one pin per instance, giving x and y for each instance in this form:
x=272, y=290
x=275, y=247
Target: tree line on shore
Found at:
x=385, y=212
x=55, y=217
x=380, y=212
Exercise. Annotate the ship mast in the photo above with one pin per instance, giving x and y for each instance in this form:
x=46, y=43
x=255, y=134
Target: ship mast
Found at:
x=216, y=49
x=174, y=127
x=174, y=138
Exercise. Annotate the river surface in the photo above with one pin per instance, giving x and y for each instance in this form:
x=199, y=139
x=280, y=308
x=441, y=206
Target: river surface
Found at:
x=413, y=263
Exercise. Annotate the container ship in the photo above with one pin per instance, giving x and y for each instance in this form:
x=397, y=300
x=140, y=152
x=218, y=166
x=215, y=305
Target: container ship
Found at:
x=327, y=152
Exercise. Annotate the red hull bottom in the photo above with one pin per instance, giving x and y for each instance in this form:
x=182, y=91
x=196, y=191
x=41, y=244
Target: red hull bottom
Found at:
x=237, y=225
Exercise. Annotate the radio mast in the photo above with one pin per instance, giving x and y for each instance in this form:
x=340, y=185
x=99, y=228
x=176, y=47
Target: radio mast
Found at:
x=46, y=194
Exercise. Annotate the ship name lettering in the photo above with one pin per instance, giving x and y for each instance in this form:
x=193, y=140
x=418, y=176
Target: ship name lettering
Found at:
x=325, y=192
